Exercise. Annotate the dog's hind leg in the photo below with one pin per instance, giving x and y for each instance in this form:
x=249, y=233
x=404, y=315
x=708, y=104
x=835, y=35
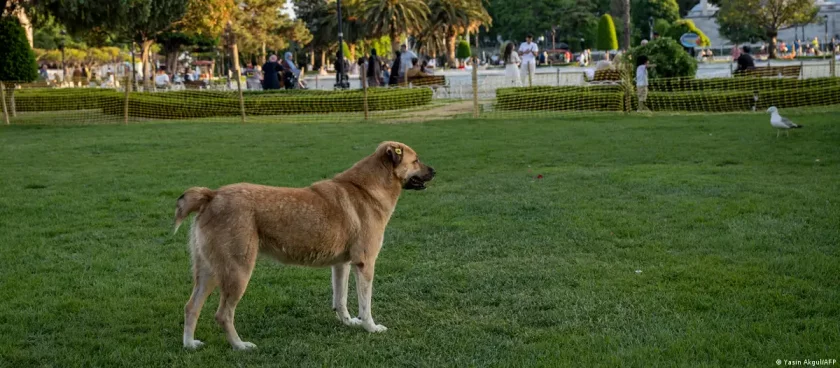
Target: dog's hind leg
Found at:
x=204, y=284
x=233, y=280
x=340, y=280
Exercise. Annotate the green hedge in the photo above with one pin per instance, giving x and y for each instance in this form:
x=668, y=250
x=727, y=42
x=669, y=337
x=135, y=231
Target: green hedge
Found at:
x=740, y=84
x=558, y=99
x=199, y=104
x=36, y=100
x=817, y=93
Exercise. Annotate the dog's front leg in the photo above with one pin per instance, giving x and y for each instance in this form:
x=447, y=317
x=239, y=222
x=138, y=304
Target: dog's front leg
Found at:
x=364, y=287
x=340, y=280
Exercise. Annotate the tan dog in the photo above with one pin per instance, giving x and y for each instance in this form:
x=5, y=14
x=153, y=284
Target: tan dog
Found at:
x=338, y=222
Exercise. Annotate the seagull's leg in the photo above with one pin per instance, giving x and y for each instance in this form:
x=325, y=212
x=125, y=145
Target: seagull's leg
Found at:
x=777, y=133
x=787, y=132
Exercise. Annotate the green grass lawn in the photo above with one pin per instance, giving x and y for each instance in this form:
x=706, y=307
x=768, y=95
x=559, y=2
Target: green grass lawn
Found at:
x=648, y=241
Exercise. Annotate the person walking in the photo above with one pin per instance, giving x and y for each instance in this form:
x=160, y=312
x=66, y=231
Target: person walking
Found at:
x=512, y=61
x=528, y=51
x=374, y=70
x=394, y=78
x=642, y=81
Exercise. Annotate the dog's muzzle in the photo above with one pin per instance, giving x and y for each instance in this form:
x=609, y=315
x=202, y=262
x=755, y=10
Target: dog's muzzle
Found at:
x=418, y=182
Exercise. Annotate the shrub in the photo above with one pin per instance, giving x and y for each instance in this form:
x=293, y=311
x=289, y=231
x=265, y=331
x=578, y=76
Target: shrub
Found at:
x=607, y=39
x=558, y=99
x=36, y=100
x=661, y=26
x=670, y=59
x=195, y=104
x=746, y=84
x=684, y=26
x=463, y=51
x=17, y=60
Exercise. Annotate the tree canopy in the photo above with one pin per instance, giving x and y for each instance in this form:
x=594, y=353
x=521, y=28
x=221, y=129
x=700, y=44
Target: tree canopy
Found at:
x=742, y=20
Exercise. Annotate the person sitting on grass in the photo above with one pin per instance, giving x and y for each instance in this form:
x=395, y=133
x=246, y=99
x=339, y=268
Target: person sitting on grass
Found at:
x=415, y=70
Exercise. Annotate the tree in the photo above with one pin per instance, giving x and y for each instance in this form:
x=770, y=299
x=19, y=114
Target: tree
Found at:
x=450, y=18
x=463, y=50
x=643, y=10
x=17, y=60
x=261, y=25
x=607, y=39
x=670, y=59
x=392, y=18
x=686, y=6
x=684, y=26
x=138, y=20
x=767, y=17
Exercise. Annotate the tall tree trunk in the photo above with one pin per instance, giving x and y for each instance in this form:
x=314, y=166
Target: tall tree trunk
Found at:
x=263, y=54
x=323, y=60
x=145, y=59
x=172, y=61
x=352, y=51
x=312, y=57
x=450, y=49
x=626, y=24
x=771, y=51
x=395, y=41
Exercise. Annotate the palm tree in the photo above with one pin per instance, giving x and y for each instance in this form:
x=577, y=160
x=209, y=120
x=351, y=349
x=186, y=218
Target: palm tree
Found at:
x=452, y=18
x=394, y=17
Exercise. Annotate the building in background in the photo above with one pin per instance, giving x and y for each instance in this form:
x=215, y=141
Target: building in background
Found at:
x=703, y=15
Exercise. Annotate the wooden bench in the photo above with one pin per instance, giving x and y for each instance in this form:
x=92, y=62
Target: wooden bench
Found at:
x=194, y=85
x=787, y=71
x=430, y=81
x=435, y=82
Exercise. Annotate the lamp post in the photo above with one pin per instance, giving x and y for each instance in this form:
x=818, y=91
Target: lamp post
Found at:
x=133, y=65
x=825, y=36
x=341, y=79
x=650, y=22
x=61, y=47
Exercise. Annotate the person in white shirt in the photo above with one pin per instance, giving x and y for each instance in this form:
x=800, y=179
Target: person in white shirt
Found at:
x=405, y=60
x=528, y=51
x=512, y=61
x=162, y=79
x=642, y=81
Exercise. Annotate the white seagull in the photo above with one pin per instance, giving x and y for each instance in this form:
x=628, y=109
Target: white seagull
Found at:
x=778, y=122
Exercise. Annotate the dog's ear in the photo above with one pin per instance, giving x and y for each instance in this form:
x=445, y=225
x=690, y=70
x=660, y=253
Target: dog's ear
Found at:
x=395, y=154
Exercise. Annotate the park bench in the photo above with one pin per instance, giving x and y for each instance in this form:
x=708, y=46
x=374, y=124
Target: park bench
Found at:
x=435, y=82
x=787, y=71
x=194, y=85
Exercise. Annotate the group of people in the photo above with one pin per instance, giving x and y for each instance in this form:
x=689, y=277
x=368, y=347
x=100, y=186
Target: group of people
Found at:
x=275, y=74
x=375, y=72
x=521, y=63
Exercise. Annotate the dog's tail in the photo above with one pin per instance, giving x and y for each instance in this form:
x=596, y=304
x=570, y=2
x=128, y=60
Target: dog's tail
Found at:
x=192, y=200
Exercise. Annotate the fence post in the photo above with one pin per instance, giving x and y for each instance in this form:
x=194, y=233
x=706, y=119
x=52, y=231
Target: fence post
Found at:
x=234, y=50
x=832, y=65
x=3, y=97
x=475, y=86
x=127, y=92
x=365, y=89
x=558, y=76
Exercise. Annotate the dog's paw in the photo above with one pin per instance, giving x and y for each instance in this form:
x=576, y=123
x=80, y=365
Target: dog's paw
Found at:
x=375, y=328
x=192, y=344
x=352, y=322
x=244, y=345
